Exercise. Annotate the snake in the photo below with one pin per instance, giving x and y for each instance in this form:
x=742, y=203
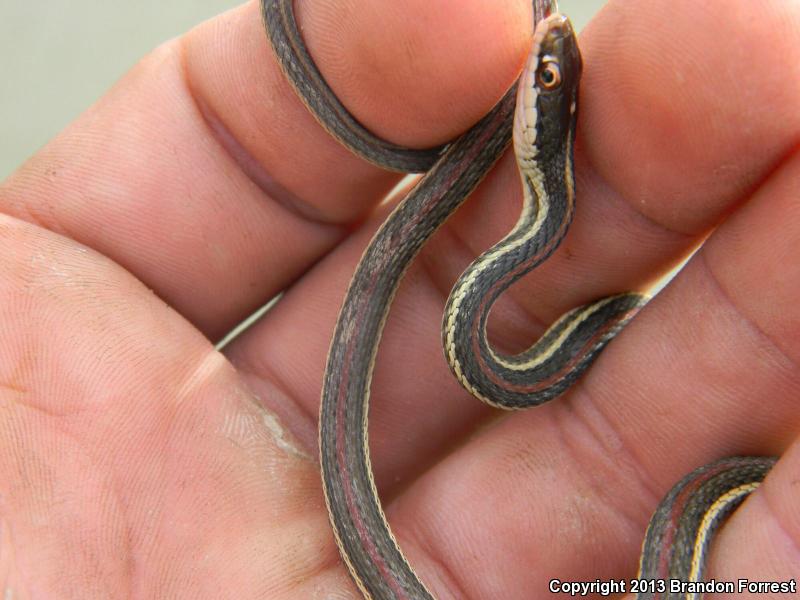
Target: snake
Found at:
x=540, y=113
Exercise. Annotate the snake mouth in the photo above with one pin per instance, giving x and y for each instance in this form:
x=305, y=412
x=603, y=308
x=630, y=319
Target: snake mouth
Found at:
x=557, y=27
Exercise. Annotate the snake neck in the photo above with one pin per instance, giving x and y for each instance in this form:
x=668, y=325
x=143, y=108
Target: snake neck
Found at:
x=547, y=208
x=551, y=364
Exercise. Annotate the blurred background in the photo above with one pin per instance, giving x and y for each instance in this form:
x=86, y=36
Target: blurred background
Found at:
x=57, y=57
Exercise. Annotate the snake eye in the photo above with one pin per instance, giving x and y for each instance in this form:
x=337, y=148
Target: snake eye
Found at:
x=549, y=74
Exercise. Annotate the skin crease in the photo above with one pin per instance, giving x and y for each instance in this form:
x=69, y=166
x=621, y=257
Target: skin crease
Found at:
x=136, y=461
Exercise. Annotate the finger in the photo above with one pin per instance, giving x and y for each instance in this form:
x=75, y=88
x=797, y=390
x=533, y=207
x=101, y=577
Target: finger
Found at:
x=204, y=175
x=759, y=542
x=725, y=329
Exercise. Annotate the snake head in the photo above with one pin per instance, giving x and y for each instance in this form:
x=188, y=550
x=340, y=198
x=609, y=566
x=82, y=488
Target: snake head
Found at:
x=547, y=97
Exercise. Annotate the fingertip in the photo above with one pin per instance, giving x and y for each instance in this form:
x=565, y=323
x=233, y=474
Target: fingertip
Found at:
x=687, y=103
x=417, y=72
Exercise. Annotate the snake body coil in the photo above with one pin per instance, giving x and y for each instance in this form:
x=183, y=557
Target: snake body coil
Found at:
x=544, y=135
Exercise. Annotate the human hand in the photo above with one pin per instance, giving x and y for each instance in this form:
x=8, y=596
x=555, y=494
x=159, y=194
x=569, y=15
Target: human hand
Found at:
x=137, y=461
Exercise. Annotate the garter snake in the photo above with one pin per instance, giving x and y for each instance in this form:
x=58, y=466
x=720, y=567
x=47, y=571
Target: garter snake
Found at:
x=542, y=111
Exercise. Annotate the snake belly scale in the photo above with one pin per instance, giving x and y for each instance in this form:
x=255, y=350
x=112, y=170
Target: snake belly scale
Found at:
x=542, y=111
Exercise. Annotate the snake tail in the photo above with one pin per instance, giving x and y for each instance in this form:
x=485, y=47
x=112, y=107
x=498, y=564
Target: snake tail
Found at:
x=680, y=532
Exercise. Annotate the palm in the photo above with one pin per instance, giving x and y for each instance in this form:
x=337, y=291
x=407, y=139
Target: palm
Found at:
x=137, y=461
